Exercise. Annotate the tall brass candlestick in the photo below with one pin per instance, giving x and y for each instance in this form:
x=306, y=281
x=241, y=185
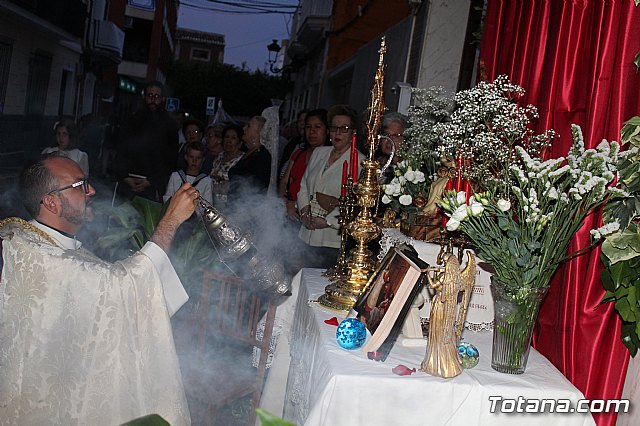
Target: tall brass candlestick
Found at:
x=347, y=209
x=343, y=295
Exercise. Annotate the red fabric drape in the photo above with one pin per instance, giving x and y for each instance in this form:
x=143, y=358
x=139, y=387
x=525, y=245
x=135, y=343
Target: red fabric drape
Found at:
x=575, y=60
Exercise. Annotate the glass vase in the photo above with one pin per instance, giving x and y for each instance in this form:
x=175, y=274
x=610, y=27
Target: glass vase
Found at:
x=515, y=315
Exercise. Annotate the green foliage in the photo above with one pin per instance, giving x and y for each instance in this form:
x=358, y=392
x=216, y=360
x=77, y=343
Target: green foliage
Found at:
x=621, y=249
x=268, y=419
x=621, y=281
x=150, y=420
x=243, y=93
x=132, y=224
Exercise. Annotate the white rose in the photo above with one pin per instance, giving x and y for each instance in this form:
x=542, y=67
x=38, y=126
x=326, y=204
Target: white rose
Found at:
x=405, y=200
x=452, y=224
x=460, y=213
x=386, y=199
x=419, y=177
x=410, y=175
x=461, y=197
x=504, y=205
x=402, y=179
x=476, y=208
x=389, y=189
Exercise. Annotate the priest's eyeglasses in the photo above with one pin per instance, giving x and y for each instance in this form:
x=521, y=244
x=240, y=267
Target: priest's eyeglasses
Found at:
x=340, y=129
x=84, y=183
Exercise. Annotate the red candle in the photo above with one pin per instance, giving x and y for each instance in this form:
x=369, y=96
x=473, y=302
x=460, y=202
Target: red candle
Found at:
x=345, y=167
x=459, y=175
x=445, y=219
x=449, y=186
x=467, y=188
x=354, y=159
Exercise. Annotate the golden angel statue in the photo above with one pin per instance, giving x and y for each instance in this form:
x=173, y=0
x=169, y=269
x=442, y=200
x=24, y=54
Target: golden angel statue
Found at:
x=445, y=329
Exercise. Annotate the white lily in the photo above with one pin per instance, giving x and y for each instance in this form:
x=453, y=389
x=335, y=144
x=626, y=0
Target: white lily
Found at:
x=410, y=176
x=476, y=208
x=453, y=224
x=460, y=213
x=405, y=200
x=503, y=204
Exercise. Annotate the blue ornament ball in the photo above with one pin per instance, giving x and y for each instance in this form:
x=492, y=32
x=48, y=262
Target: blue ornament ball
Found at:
x=351, y=334
x=468, y=354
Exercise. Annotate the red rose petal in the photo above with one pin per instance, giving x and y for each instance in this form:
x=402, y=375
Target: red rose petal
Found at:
x=376, y=356
x=332, y=321
x=403, y=370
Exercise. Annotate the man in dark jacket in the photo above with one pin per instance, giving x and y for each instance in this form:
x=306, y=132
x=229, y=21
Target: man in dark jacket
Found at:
x=148, y=148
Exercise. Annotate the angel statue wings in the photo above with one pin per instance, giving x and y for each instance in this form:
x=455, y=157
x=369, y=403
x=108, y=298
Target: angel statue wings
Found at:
x=445, y=327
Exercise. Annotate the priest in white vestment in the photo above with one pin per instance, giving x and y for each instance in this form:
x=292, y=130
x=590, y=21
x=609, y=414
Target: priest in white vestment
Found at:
x=83, y=341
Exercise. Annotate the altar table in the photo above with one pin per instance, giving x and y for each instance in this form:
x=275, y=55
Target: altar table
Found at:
x=313, y=381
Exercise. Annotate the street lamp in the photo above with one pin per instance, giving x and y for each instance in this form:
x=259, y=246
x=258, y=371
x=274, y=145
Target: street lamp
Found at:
x=274, y=49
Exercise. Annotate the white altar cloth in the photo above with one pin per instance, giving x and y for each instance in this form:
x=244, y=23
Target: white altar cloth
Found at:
x=327, y=385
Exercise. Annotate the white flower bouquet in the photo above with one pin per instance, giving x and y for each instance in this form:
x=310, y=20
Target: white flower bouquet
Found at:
x=409, y=188
x=523, y=225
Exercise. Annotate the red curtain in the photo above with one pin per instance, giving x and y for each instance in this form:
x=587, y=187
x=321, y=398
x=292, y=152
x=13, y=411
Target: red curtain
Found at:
x=575, y=60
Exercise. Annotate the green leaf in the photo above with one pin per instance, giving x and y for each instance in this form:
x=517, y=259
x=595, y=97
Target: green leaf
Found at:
x=114, y=238
x=633, y=301
x=622, y=251
x=629, y=335
x=503, y=222
x=618, y=273
x=150, y=420
x=268, y=419
x=637, y=2
x=623, y=308
x=151, y=214
x=636, y=61
x=624, y=210
x=607, y=281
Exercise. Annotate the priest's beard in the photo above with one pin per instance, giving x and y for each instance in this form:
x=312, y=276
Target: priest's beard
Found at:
x=72, y=214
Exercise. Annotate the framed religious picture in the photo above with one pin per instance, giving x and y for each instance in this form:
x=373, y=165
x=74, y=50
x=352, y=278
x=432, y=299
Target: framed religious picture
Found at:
x=387, y=298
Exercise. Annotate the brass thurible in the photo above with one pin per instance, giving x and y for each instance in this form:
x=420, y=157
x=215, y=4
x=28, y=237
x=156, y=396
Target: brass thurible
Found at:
x=343, y=294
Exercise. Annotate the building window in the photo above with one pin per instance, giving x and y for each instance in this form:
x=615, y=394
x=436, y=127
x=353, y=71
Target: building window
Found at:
x=5, y=63
x=199, y=54
x=66, y=99
x=37, y=84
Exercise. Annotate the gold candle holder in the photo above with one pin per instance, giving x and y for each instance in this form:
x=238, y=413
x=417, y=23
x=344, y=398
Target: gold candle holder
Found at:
x=347, y=207
x=343, y=295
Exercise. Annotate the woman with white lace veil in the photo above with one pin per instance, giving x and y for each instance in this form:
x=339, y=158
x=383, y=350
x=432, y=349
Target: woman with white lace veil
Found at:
x=252, y=173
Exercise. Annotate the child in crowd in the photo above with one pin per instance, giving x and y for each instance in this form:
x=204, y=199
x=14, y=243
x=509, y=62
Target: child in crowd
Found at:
x=66, y=134
x=193, y=157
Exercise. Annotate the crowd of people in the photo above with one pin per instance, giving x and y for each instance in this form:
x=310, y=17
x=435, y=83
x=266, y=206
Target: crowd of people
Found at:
x=164, y=159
